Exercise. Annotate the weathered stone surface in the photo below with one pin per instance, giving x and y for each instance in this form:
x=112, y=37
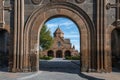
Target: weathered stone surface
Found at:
x=1, y=14
x=36, y=1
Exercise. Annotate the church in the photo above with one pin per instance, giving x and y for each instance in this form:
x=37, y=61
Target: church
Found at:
x=61, y=47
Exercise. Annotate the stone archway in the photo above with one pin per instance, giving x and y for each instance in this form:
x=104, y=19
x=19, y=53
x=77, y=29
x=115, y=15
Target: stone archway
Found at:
x=50, y=53
x=44, y=13
x=4, y=48
x=115, y=48
x=67, y=53
x=108, y=47
x=59, y=54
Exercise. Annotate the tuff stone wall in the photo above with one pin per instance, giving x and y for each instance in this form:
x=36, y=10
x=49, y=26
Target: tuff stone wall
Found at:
x=88, y=6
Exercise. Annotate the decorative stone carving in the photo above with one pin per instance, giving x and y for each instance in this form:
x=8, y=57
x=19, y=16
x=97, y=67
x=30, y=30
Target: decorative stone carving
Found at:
x=118, y=23
x=109, y=5
x=57, y=0
x=36, y=2
x=79, y=1
x=8, y=8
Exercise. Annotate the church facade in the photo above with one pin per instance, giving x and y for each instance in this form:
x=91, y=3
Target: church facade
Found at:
x=97, y=20
x=61, y=47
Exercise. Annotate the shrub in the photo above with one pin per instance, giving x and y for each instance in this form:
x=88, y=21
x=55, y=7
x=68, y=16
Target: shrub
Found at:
x=72, y=57
x=46, y=57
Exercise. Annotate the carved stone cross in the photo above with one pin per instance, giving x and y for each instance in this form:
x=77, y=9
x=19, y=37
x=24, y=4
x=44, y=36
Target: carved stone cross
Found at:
x=8, y=8
x=117, y=6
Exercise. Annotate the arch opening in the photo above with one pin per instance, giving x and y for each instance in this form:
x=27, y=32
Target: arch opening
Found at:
x=50, y=53
x=4, y=48
x=115, y=47
x=65, y=35
x=59, y=54
x=67, y=53
x=85, y=26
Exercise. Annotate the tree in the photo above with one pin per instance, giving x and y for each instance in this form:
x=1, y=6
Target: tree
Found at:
x=46, y=39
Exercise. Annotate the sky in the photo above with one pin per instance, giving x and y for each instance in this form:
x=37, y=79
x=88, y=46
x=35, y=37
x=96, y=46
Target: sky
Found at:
x=68, y=27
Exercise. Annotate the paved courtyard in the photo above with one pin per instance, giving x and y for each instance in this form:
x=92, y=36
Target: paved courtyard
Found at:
x=59, y=69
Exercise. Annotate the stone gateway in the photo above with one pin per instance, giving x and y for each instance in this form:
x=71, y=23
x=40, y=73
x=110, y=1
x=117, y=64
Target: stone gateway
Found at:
x=98, y=22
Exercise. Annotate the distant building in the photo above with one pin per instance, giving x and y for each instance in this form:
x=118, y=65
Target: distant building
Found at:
x=61, y=47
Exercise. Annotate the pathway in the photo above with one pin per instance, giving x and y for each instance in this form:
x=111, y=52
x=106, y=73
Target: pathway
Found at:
x=59, y=69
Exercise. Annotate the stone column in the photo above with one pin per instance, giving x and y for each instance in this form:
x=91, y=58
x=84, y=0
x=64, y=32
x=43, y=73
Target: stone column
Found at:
x=1, y=13
x=18, y=35
x=118, y=45
x=101, y=24
x=63, y=54
x=54, y=52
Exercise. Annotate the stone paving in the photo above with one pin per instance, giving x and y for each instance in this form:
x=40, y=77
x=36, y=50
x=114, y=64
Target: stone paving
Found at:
x=115, y=75
x=59, y=69
x=4, y=75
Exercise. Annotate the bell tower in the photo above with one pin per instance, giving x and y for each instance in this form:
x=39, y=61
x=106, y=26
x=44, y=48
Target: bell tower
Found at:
x=58, y=33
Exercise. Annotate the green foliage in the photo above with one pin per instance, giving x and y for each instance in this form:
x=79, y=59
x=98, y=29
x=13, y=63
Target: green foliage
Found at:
x=72, y=57
x=46, y=39
x=46, y=58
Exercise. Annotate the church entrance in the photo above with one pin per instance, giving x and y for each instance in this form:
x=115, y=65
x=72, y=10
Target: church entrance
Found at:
x=3, y=48
x=67, y=53
x=59, y=54
x=115, y=47
x=50, y=53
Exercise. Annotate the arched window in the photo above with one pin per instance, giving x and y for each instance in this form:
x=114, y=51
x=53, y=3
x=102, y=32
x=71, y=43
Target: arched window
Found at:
x=59, y=43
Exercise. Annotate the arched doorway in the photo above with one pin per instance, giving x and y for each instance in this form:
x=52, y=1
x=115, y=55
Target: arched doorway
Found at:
x=3, y=48
x=50, y=53
x=115, y=47
x=67, y=53
x=76, y=14
x=59, y=54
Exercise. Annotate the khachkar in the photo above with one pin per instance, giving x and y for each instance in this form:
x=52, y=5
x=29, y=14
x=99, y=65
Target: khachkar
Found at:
x=1, y=13
x=117, y=6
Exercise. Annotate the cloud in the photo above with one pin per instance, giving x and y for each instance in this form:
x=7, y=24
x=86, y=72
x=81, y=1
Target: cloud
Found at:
x=73, y=32
x=71, y=36
x=51, y=25
x=68, y=23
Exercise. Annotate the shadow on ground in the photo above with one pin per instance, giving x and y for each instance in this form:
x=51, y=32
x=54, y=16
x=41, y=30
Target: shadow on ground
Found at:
x=64, y=67
x=115, y=70
x=4, y=69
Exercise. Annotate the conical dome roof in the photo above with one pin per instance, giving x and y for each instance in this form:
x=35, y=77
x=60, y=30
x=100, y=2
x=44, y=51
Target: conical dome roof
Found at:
x=58, y=33
x=58, y=30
